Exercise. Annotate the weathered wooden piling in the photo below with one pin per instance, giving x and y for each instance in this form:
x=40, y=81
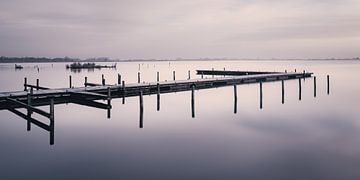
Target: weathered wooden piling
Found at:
x=282, y=92
x=295, y=70
x=37, y=84
x=193, y=101
x=157, y=76
x=86, y=81
x=25, y=83
x=29, y=112
x=70, y=82
x=103, y=80
x=328, y=84
x=189, y=77
x=299, y=89
x=158, y=98
x=139, y=77
x=108, y=102
x=119, y=79
x=141, y=124
x=235, y=99
x=174, y=76
x=314, y=86
x=124, y=92
x=261, y=96
x=52, y=121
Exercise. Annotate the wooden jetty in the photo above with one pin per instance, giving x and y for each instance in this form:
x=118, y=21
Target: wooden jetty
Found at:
x=36, y=95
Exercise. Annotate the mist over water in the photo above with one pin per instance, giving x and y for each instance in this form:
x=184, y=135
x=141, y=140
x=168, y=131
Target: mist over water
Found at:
x=315, y=138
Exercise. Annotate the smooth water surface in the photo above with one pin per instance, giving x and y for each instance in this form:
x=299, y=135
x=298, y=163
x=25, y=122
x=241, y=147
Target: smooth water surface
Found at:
x=315, y=138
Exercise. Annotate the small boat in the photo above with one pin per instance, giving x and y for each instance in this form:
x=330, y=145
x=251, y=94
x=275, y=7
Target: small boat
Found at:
x=18, y=66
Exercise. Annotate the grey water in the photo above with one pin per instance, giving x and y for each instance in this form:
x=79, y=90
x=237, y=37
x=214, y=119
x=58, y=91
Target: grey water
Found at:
x=312, y=138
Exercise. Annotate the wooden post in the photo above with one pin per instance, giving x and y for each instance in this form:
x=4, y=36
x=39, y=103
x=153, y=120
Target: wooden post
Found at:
x=138, y=77
x=189, y=77
x=119, y=79
x=70, y=83
x=37, y=84
x=29, y=97
x=52, y=121
x=299, y=89
x=282, y=92
x=261, y=96
x=193, y=101
x=174, y=75
x=141, y=125
x=212, y=69
x=103, y=80
x=328, y=84
x=25, y=83
x=285, y=71
x=158, y=97
x=124, y=92
x=314, y=86
x=235, y=99
x=157, y=76
x=202, y=75
x=295, y=70
x=108, y=102
x=224, y=73
x=85, y=81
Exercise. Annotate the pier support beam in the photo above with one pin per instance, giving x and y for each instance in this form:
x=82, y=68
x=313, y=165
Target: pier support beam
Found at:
x=141, y=124
x=25, y=83
x=157, y=76
x=139, y=77
x=124, y=92
x=158, y=98
x=119, y=79
x=29, y=112
x=189, y=77
x=37, y=84
x=52, y=122
x=70, y=82
x=261, y=96
x=193, y=101
x=102, y=80
x=86, y=81
x=235, y=99
x=314, y=86
x=174, y=76
x=109, y=102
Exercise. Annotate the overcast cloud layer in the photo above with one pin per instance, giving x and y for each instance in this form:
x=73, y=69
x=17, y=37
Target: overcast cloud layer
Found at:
x=180, y=28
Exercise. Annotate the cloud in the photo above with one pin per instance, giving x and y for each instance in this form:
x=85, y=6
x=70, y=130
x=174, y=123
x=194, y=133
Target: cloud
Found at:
x=170, y=29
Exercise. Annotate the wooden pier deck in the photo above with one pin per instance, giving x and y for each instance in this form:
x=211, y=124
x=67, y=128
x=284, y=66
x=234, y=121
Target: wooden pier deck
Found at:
x=83, y=95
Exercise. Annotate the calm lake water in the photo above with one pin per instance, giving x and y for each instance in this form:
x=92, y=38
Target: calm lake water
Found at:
x=315, y=138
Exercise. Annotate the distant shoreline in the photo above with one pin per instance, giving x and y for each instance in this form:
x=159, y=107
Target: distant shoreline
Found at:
x=70, y=60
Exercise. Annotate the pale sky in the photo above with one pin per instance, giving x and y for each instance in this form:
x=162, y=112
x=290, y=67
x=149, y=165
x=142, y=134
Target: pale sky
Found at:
x=127, y=29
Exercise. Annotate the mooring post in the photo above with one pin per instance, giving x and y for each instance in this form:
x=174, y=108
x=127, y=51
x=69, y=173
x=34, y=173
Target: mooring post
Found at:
x=108, y=102
x=261, y=96
x=70, y=83
x=299, y=89
x=138, y=77
x=37, y=84
x=25, y=84
x=295, y=70
x=193, y=101
x=282, y=92
x=85, y=83
x=328, y=84
x=124, y=92
x=103, y=80
x=314, y=86
x=174, y=75
x=235, y=99
x=119, y=79
x=158, y=97
x=52, y=121
x=141, y=125
x=189, y=77
x=157, y=76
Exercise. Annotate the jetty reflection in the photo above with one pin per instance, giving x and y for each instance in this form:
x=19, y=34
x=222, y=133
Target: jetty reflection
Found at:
x=34, y=96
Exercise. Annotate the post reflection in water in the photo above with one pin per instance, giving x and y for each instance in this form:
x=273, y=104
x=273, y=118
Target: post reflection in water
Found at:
x=299, y=89
x=261, y=96
x=314, y=86
x=158, y=98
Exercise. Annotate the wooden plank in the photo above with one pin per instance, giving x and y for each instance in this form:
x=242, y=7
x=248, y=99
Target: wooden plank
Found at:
x=90, y=103
x=39, y=111
x=90, y=94
x=34, y=121
x=35, y=87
